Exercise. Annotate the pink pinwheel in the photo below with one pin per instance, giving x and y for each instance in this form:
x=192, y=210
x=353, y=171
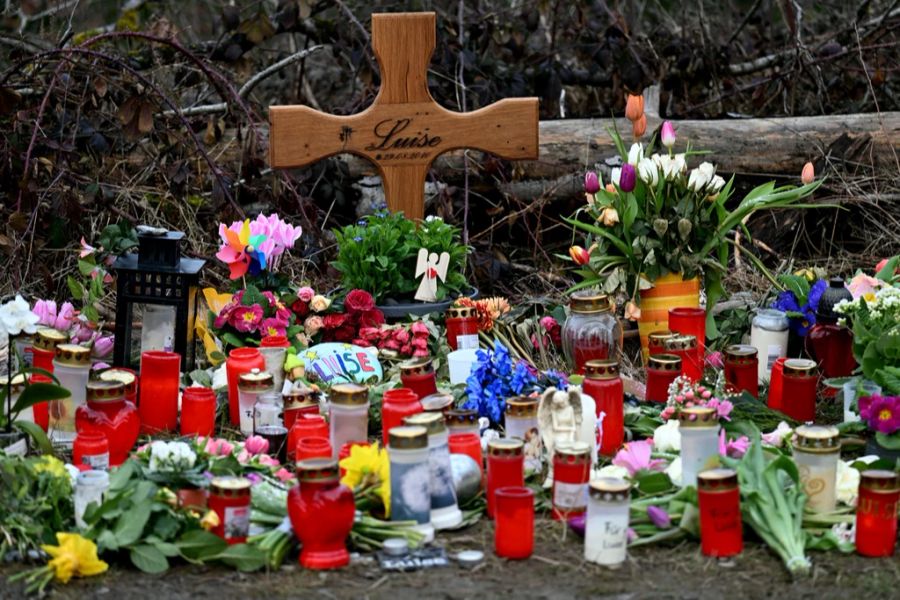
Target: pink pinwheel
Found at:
x=240, y=250
x=635, y=456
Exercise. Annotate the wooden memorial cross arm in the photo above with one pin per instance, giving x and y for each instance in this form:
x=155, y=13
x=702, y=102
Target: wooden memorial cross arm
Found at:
x=404, y=129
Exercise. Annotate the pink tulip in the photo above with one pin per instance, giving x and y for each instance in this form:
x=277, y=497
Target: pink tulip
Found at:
x=218, y=447
x=256, y=445
x=103, y=346
x=284, y=475
x=64, y=317
x=808, y=174
x=635, y=456
x=667, y=135
x=591, y=182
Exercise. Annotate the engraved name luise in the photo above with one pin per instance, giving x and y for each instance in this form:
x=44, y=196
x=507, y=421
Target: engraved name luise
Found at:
x=400, y=139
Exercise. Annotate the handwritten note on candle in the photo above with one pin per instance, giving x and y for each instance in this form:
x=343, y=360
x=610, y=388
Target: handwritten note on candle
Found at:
x=342, y=363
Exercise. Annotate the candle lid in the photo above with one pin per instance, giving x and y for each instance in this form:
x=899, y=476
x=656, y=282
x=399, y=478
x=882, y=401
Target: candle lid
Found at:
x=47, y=338
x=572, y=449
x=230, y=487
x=698, y=416
x=606, y=368
x=349, y=393
x=407, y=437
x=664, y=362
x=73, y=355
x=460, y=312
x=461, y=417
x=255, y=381
x=589, y=303
x=609, y=489
x=799, y=366
x=506, y=447
x=18, y=382
x=298, y=398
x=521, y=407
x=658, y=338
x=395, y=546
x=680, y=342
x=717, y=480
x=317, y=469
x=417, y=366
x=470, y=558
x=105, y=391
x=879, y=481
x=126, y=378
x=433, y=422
x=771, y=319
x=437, y=402
x=818, y=439
x=740, y=351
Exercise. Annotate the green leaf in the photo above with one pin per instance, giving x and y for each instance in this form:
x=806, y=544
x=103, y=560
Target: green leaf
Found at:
x=243, y=557
x=886, y=273
x=653, y=482
x=85, y=267
x=199, y=544
x=149, y=559
x=34, y=431
x=75, y=288
x=232, y=340
x=130, y=525
x=890, y=442
x=39, y=392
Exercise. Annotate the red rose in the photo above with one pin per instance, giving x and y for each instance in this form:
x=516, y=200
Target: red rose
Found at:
x=344, y=334
x=359, y=301
x=361, y=343
x=334, y=320
x=300, y=308
x=371, y=318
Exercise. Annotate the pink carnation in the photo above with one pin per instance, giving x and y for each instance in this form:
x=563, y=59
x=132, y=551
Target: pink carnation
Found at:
x=306, y=294
x=218, y=447
x=419, y=328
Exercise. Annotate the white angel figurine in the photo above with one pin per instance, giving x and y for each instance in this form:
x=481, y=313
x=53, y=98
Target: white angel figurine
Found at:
x=430, y=267
x=559, y=418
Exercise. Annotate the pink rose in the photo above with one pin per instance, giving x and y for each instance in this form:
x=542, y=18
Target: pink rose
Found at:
x=256, y=445
x=419, y=344
x=218, y=447
x=419, y=328
x=306, y=294
x=420, y=353
x=402, y=336
x=284, y=475
x=268, y=461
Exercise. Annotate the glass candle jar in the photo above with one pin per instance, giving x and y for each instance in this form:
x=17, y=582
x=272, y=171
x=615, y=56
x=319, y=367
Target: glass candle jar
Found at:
x=307, y=426
x=90, y=487
x=699, y=428
x=198, y=411
x=463, y=420
x=348, y=414
x=817, y=449
x=656, y=341
x=108, y=412
x=865, y=388
x=876, y=513
x=126, y=377
x=691, y=321
x=90, y=451
x=505, y=468
x=606, y=526
x=24, y=345
x=296, y=402
x=43, y=352
x=828, y=343
x=514, y=522
x=469, y=444
x=685, y=348
x=411, y=478
x=591, y=331
x=799, y=379
x=462, y=327
x=274, y=351
x=603, y=383
x=267, y=411
x=439, y=402
x=395, y=405
x=662, y=370
x=776, y=385
x=15, y=390
x=240, y=360
x=445, y=513
x=312, y=447
x=571, y=473
x=251, y=386
x=769, y=335
x=721, y=532
x=741, y=369
x=321, y=510
x=160, y=379
x=522, y=423
x=158, y=328
x=418, y=375
x=276, y=435
x=71, y=366
x=229, y=497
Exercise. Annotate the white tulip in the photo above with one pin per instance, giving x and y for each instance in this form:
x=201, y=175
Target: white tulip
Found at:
x=708, y=170
x=847, y=485
x=635, y=154
x=674, y=471
x=697, y=180
x=615, y=175
x=716, y=184
x=648, y=172
x=667, y=437
x=680, y=164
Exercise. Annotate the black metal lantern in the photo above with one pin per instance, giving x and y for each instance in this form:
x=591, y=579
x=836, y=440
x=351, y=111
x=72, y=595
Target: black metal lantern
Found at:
x=160, y=285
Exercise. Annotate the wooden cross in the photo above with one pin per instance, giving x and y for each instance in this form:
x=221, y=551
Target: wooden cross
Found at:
x=404, y=129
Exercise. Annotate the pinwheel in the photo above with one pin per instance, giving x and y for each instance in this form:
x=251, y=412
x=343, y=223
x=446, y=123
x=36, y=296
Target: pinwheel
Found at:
x=241, y=251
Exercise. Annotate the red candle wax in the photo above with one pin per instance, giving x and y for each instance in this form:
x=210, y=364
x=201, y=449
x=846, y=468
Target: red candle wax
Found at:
x=90, y=451
x=395, y=405
x=469, y=444
x=109, y=413
x=721, y=532
x=275, y=341
x=321, y=510
x=876, y=513
x=571, y=473
x=418, y=375
x=43, y=352
x=776, y=384
x=306, y=426
x=229, y=497
x=662, y=370
x=603, y=384
x=798, y=389
x=240, y=361
x=690, y=321
x=198, y=411
x=312, y=447
x=160, y=374
x=514, y=525
x=505, y=467
x=742, y=369
x=831, y=345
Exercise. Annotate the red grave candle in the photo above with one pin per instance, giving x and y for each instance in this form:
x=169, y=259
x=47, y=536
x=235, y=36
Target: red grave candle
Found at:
x=690, y=321
x=662, y=370
x=514, y=524
x=776, y=385
x=418, y=375
x=299, y=402
x=90, y=451
x=240, y=361
x=461, y=323
x=127, y=377
x=43, y=352
x=505, y=467
x=591, y=332
x=798, y=389
x=321, y=510
x=685, y=348
x=603, y=384
x=108, y=412
x=229, y=497
x=160, y=374
x=571, y=473
x=876, y=513
x=721, y=532
x=306, y=426
x=469, y=444
x=312, y=447
x=198, y=411
x=742, y=369
x=275, y=341
x=656, y=341
x=395, y=405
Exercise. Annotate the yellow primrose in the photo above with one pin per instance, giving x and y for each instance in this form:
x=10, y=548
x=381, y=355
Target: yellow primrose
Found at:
x=808, y=274
x=369, y=466
x=869, y=297
x=210, y=520
x=52, y=465
x=74, y=556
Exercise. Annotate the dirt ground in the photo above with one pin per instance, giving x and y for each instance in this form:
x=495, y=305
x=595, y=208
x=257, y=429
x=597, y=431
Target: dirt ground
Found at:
x=556, y=570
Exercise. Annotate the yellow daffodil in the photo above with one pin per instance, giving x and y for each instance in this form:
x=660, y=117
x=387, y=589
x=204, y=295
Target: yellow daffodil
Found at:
x=806, y=273
x=52, y=465
x=369, y=466
x=210, y=520
x=74, y=556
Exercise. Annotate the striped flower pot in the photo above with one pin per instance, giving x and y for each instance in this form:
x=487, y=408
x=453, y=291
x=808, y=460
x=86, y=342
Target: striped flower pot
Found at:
x=669, y=291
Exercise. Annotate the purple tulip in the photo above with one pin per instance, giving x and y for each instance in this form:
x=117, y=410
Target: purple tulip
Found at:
x=627, y=178
x=591, y=182
x=103, y=346
x=659, y=517
x=578, y=523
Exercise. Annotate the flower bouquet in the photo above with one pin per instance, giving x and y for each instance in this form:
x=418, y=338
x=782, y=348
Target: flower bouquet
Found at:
x=251, y=315
x=494, y=377
x=254, y=250
x=799, y=299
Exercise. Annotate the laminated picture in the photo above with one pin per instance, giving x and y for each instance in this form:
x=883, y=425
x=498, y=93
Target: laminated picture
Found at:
x=443, y=493
x=410, y=495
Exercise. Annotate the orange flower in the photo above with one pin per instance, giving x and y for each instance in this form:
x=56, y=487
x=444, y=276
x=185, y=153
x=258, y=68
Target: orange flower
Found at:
x=634, y=107
x=579, y=255
x=496, y=306
x=611, y=188
x=808, y=174
x=639, y=127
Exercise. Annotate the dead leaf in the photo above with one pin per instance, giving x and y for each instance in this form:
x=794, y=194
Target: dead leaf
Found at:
x=18, y=221
x=257, y=29
x=100, y=86
x=136, y=116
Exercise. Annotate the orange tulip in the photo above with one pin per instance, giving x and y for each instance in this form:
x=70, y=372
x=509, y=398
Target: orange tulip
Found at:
x=808, y=174
x=634, y=107
x=639, y=127
x=579, y=255
x=611, y=188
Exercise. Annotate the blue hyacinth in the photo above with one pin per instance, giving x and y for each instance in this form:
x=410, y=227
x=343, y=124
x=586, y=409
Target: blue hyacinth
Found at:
x=494, y=378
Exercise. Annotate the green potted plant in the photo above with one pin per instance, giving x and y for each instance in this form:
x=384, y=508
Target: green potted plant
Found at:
x=380, y=253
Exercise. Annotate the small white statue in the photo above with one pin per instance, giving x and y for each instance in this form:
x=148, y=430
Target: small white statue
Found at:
x=559, y=417
x=430, y=267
